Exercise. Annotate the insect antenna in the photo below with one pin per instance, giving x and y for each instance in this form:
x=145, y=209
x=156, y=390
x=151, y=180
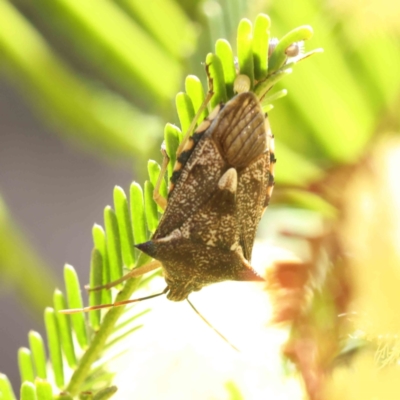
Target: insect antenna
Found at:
x=111, y=305
x=214, y=329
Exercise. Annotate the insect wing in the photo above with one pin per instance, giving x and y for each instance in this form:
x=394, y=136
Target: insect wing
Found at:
x=196, y=174
x=215, y=224
x=247, y=144
x=252, y=199
x=232, y=136
x=240, y=132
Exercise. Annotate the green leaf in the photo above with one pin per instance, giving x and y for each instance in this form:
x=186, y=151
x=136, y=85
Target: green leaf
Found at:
x=25, y=365
x=122, y=336
x=269, y=99
x=216, y=73
x=96, y=279
x=245, y=49
x=91, y=115
x=154, y=171
x=6, y=391
x=106, y=393
x=53, y=340
x=99, y=239
x=101, y=379
x=38, y=354
x=150, y=207
x=43, y=390
x=172, y=135
x=127, y=322
x=113, y=244
x=99, y=370
x=214, y=16
x=308, y=201
x=99, y=340
x=261, y=45
x=137, y=213
x=380, y=79
x=194, y=89
x=185, y=111
x=264, y=86
x=86, y=395
x=65, y=330
x=166, y=22
x=101, y=31
x=295, y=169
x=75, y=301
x=125, y=227
x=28, y=391
x=224, y=52
x=278, y=56
x=64, y=396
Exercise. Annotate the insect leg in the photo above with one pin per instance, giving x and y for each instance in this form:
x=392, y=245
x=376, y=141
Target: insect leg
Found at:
x=160, y=200
x=111, y=305
x=203, y=106
x=152, y=265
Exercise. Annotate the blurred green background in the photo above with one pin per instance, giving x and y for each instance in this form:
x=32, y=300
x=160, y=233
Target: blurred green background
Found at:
x=87, y=86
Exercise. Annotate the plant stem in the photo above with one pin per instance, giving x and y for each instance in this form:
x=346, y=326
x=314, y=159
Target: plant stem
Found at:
x=97, y=344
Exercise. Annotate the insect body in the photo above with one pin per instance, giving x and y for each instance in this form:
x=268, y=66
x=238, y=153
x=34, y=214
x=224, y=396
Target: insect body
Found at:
x=221, y=184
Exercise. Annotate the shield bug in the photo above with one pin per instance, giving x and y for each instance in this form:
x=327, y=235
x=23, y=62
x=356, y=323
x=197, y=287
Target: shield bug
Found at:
x=221, y=184
x=218, y=192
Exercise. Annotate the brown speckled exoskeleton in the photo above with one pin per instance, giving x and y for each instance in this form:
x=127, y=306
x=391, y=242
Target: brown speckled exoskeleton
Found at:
x=221, y=184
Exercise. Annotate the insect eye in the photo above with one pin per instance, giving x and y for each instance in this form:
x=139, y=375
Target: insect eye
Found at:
x=242, y=84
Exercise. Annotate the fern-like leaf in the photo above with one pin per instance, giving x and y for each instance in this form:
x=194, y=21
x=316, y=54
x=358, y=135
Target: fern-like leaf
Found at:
x=80, y=345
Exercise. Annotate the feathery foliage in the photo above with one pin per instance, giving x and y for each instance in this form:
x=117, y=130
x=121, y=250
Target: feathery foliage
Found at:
x=327, y=131
x=77, y=342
